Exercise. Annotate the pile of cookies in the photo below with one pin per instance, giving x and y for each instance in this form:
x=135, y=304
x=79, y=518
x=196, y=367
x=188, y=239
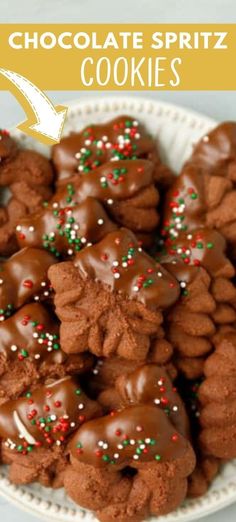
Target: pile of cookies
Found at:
x=118, y=318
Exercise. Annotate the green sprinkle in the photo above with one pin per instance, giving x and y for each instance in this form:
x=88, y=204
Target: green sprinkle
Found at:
x=106, y=458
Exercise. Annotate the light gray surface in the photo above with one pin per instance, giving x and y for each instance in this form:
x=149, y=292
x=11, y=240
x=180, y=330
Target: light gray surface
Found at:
x=218, y=105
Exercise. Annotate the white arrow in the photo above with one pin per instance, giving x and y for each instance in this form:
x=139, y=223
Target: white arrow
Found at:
x=48, y=121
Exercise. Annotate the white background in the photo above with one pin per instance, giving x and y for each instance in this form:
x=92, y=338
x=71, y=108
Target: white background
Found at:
x=219, y=105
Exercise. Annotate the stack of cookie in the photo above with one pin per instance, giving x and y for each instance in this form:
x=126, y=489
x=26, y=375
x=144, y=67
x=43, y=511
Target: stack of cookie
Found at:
x=118, y=313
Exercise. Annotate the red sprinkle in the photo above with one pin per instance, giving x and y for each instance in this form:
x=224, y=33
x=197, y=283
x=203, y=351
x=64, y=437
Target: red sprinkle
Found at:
x=28, y=283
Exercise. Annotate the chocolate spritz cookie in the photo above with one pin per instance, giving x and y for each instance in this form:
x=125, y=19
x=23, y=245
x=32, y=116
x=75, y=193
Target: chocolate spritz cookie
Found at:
x=63, y=231
x=28, y=176
x=30, y=351
x=204, y=194
x=217, y=396
x=35, y=429
x=134, y=462
x=207, y=466
x=148, y=384
x=23, y=278
x=110, y=299
x=123, y=138
x=199, y=253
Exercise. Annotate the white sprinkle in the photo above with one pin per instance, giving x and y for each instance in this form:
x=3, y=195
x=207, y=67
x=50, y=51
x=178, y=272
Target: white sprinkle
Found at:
x=100, y=221
x=115, y=263
x=77, y=155
x=31, y=229
x=156, y=401
x=37, y=356
x=189, y=236
x=1, y=281
x=205, y=139
x=135, y=288
x=117, y=275
x=110, y=201
x=135, y=457
x=53, y=417
x=116, y=455
x=100, y=443
x=175, y=408
x=18, y=228
x=81, y=406
x=13, y=348
x=182, y=284
x=119, y=446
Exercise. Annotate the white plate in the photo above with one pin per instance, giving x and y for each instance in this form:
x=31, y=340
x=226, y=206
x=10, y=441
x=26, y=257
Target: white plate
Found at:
x=176, y=129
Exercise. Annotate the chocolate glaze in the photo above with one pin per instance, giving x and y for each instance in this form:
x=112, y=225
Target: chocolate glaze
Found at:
x=31, y=333
x=151, y=384
x=185, y=206
x=121, y=138
x=64, y=231
x=26, y=423
x=135, y=435
x=120, y=263
x=203, y=247
x=217, y=150
x=23, y=277
x=116, y=181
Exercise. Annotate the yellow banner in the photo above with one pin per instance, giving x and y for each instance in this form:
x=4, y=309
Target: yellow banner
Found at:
x=121, y=56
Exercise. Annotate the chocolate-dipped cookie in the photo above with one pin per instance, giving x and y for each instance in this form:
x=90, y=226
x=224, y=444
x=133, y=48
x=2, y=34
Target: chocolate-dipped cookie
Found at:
x=204, y=194
x=205, y=304
x=65, y=230
x=126, y=189
x=23, y=278
x=30, y=351
x=110, y=300
x=129, y=465
x=27, y=175
x=35, y=429
x=119, y=139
